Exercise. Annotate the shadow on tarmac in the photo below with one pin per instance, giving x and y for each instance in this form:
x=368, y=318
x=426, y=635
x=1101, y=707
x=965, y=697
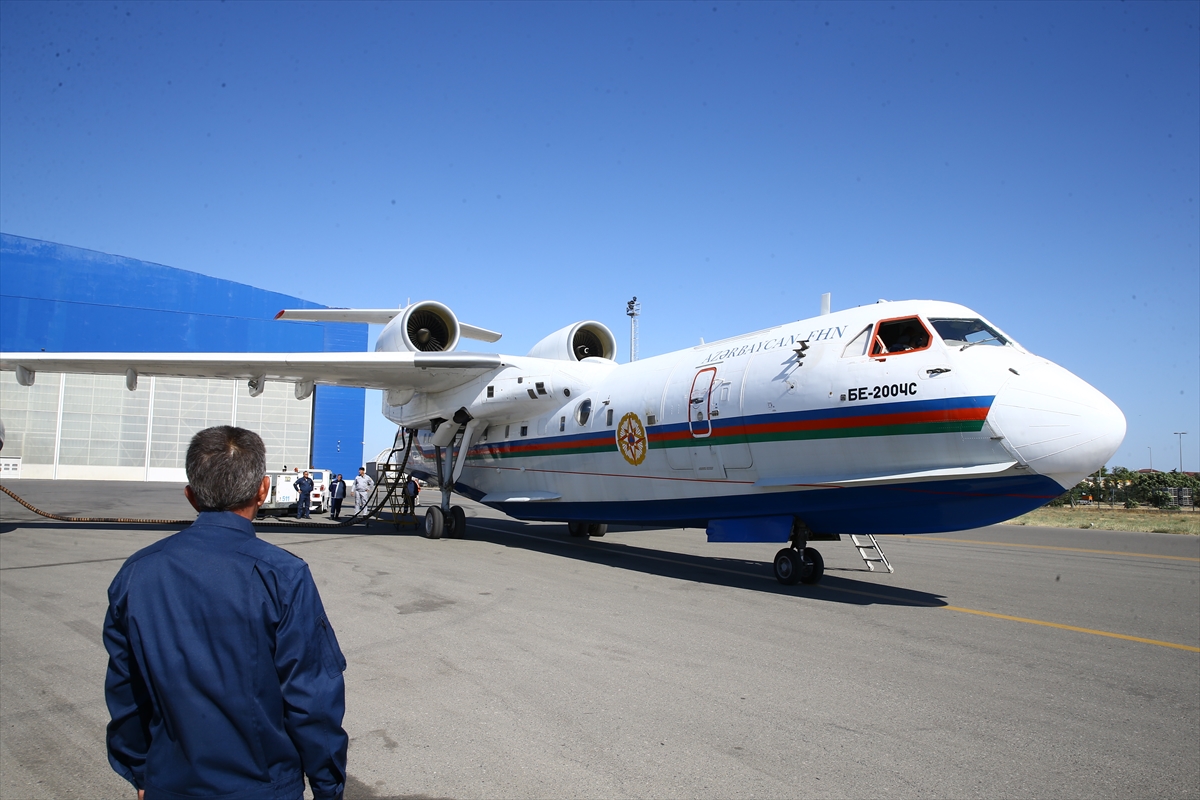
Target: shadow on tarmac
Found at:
x=9, y=527
x=755, y=576
x=551, y=539
x=758, y=576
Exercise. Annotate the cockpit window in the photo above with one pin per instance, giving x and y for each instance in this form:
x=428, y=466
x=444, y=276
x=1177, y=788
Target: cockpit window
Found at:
x=903, y=335
x=858, y=345
x=968, y=332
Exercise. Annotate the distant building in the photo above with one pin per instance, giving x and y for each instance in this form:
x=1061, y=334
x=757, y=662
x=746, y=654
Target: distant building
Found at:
x=65, y=299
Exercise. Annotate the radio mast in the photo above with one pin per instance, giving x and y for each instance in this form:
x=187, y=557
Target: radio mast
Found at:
x=633, y=308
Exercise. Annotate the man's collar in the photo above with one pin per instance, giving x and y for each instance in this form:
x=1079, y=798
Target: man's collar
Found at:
x=226, y=519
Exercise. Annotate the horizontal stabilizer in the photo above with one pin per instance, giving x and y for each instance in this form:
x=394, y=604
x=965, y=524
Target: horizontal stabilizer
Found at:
x=374, y=316
x=371, y=316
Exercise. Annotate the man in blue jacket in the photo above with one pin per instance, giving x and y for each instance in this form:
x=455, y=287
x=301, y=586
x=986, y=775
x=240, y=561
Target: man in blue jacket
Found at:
x=337, y=495
x=304, y=485
x=224, y=674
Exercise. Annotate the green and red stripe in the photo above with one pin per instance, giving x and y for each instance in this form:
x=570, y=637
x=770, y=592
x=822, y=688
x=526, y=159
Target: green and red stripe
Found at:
x=905, y=418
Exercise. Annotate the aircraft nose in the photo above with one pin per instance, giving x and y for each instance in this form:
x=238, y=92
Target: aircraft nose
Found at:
x=1058, y=424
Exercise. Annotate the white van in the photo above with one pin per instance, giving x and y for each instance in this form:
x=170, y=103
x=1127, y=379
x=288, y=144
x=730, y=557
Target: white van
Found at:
x=282, y=498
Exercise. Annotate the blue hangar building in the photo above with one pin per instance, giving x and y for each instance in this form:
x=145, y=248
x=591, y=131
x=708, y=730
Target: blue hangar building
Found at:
x=66, y=299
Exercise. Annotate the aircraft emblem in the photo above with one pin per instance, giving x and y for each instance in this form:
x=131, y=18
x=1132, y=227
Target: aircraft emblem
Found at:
x=631, y=439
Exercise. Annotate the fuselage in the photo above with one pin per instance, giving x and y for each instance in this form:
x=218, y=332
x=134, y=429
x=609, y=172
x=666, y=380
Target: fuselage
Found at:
x=899, y=417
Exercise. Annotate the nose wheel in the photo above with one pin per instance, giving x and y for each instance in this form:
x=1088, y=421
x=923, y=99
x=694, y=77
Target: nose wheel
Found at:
x=584, y=530
x=793, y=565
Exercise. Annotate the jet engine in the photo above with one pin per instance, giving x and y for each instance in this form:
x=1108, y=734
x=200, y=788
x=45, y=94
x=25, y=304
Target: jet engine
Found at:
x=425, y=327
x=588, y=339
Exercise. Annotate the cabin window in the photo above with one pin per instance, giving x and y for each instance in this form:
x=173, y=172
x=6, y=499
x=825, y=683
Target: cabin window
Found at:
x=524, y=430
x=608, y=417
x=858, y=345
x=651, y=419
x=541, y=387
x=506, y=427
x=968, y=332
x=520, y=380
x=491, y=392
x=904, y=335
x=583, y=412
x=562, y=424
x=532, y=394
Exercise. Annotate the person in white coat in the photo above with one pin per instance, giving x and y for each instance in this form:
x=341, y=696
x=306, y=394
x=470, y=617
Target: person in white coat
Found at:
x=362, y=489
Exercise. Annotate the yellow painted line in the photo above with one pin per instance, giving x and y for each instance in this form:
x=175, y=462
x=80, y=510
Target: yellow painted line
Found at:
x=1059, y=625
x=892, y=598
x=1049, y=547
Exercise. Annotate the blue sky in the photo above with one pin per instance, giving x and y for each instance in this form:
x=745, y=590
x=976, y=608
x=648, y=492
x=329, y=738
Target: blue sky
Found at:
x=536, y=164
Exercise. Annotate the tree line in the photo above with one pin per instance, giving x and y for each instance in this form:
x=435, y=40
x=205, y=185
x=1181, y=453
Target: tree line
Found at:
x=1124, y=487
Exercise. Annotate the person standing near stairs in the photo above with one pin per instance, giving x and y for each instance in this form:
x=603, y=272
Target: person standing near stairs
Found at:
x=362, y=489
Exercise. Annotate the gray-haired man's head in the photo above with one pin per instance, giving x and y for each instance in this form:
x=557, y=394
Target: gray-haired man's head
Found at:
x=225, y=467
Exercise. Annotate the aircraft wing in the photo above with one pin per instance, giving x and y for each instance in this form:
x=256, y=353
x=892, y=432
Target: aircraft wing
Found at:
x=423, y=372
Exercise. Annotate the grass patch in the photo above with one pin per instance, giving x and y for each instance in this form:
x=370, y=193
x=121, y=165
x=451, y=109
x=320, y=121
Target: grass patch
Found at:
x=1146, y=520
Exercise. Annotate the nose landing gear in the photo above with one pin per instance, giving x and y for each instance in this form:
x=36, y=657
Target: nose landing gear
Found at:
x=799, y=563
x=587, y=529
x=794, y=566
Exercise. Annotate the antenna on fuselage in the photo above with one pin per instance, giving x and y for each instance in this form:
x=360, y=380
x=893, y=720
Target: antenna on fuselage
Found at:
x=825, y=304
x=633, y=308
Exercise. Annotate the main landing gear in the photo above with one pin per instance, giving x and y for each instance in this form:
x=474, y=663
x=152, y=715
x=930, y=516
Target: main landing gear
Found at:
x=454, y=440
x=799, y=563
x=452, y=525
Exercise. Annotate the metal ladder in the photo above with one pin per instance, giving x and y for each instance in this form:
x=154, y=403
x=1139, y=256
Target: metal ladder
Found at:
x=868, y=548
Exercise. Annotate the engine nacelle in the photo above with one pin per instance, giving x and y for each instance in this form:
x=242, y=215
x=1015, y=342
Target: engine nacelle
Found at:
x=588, y=339
x=425, y=327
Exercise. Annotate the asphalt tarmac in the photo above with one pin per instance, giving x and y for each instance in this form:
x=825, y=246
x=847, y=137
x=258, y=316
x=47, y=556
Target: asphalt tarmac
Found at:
x=1000, y=662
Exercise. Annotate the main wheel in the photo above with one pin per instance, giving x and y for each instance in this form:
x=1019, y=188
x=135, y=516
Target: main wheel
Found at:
x=434, y=523
x=815, y=567
x=456, y=525
x=597, y=529
x=787, y=566
x=577, y=529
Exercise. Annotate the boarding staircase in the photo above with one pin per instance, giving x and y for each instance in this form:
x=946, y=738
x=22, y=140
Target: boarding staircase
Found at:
x=870, y=551
x=390, y=476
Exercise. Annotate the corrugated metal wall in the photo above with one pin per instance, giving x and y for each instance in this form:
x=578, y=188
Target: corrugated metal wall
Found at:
x=61, y=298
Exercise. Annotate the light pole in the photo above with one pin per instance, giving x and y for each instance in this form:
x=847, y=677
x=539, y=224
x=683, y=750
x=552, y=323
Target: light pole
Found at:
x=1151, y=449
x=633, y=308
x=1180, y=434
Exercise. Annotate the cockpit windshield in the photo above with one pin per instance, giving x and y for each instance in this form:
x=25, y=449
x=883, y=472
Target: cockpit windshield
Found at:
x=904, y=335
x=966, y=333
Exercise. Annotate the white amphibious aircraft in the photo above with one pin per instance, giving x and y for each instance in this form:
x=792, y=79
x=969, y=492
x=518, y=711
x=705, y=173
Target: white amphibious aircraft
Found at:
x=899, y=417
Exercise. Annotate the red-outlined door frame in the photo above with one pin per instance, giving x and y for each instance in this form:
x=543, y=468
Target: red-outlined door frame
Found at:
x=700, y=403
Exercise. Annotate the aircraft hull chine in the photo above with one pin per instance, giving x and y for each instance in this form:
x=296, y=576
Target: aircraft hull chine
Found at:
x=903, y=508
